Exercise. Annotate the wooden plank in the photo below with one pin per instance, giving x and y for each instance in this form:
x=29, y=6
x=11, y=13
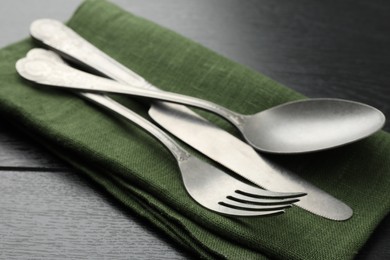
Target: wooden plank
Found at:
x=46, y=215
x=18, y=151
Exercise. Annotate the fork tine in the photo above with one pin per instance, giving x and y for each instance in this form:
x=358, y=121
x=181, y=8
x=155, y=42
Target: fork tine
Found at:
x=256, y=192
x=261, y=201
x=247, y=213
x=253, y=207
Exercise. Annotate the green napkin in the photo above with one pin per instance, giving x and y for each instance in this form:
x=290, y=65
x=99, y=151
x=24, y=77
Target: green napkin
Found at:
x=140, y=173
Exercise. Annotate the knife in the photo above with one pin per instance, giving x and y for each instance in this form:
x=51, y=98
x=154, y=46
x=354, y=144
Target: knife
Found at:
x=204, y=136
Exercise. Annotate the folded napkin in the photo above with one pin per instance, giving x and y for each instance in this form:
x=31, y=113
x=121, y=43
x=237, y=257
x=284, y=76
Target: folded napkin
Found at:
x=140, y=173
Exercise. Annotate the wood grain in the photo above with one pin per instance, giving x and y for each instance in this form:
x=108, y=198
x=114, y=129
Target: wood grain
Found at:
x=56, y=215
x=18, y=152
x=48, y=211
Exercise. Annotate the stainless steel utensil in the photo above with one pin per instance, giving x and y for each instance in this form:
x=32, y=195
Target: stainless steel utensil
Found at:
x=39, y=68
x=203, y=135
x=209, y=186
x=323, y=113
x=295, y=127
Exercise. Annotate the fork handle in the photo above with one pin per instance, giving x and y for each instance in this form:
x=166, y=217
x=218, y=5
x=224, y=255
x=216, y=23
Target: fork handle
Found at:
x=106, y=102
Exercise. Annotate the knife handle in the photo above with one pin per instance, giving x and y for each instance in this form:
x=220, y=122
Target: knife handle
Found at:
x=59, y=37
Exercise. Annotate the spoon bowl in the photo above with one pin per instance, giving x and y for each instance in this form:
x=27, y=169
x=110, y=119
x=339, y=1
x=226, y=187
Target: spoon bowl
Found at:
x=311, y=125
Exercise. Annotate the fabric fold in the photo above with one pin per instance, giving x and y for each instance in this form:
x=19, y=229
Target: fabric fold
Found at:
x=140, y=173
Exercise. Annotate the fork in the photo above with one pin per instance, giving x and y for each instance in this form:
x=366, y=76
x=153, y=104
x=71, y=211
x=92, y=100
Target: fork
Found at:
x=209, y=186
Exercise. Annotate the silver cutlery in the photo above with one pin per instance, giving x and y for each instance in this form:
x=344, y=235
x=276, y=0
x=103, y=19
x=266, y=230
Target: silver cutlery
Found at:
x=45, y=67
x=327, y=122
x=347, y=115
x=206, y=184
x=203, y=136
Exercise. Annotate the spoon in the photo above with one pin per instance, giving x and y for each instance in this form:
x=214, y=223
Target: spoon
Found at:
x=331, y=122
x=294, y=127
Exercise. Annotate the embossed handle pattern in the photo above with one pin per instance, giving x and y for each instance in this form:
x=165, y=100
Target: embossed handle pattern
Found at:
x=55, y=34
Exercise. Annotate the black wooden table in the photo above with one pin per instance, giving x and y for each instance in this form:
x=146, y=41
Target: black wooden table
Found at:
x=320, y=48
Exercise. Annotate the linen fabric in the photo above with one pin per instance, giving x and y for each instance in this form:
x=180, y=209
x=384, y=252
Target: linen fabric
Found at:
x=140, y=173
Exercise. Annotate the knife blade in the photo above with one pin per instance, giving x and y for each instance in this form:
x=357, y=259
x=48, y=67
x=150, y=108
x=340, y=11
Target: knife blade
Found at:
x=204, y=136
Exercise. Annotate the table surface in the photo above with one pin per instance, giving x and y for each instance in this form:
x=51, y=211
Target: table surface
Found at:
x=320, y=48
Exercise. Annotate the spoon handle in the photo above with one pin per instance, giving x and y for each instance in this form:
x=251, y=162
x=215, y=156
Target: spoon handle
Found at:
x=59, y=74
